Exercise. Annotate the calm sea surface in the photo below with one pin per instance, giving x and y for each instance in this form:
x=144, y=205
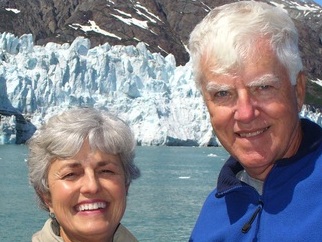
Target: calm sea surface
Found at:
x=163, y=203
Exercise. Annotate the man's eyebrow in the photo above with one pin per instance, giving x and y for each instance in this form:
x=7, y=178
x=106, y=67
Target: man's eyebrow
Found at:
x=263, y=80
x=212, y=86
x=259, y=81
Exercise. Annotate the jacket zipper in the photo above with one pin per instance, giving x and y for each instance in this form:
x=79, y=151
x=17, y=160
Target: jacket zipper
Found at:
x=249, y=223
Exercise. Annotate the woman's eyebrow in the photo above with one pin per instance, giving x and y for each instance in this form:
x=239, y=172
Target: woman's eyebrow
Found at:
x=70, y=164
x=104, y=163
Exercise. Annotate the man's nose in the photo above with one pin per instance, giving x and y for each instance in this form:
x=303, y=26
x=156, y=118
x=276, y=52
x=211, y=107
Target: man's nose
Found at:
x=245, y=110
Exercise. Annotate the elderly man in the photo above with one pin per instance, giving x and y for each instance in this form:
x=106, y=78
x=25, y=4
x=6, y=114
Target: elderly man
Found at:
x=249, y=71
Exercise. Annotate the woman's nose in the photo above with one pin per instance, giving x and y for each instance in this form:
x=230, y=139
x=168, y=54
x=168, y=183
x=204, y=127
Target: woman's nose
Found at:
x=90, y=183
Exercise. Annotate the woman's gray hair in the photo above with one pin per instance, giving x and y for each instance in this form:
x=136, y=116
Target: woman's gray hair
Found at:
x=228, y=33
x=63, y=136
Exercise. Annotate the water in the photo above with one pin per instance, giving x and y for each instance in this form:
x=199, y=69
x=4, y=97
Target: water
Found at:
x=163, y=204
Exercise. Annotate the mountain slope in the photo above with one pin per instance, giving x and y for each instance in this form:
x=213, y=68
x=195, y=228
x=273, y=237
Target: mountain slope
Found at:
x=164, y=25
x=155, y=94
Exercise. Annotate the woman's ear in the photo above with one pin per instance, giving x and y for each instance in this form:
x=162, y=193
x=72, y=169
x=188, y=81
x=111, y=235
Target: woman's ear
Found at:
x=47, y=199
x=127, y=189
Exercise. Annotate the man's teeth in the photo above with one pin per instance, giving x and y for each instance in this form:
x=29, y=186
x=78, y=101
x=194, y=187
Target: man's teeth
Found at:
x=251, y=134
x=91, y=206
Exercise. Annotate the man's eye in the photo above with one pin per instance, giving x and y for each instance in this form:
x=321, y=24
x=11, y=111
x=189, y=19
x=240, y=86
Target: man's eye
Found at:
x=221, y=94
x=264, y=87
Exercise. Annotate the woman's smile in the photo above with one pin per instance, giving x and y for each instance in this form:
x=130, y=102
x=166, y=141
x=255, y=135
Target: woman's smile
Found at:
x=91, y=206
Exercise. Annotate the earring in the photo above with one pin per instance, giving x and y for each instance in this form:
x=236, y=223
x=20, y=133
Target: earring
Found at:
x=55, y=224
x=52, y=216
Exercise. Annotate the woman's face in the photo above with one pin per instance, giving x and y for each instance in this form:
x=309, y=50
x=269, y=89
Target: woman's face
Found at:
x=87, y=195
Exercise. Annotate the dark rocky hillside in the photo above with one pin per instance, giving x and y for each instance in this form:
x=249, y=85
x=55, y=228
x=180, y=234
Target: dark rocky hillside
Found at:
x=164, y=25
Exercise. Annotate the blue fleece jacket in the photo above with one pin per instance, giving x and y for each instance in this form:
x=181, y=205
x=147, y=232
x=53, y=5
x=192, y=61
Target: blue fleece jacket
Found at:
x=290, y=208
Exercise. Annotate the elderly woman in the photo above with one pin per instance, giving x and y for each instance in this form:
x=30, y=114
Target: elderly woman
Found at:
x=81, y=164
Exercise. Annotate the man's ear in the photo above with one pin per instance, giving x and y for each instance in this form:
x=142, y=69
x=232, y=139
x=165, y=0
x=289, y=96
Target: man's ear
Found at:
x=300, y=89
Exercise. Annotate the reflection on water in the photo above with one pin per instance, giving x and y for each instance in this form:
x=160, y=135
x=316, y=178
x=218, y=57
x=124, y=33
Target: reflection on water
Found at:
x=163, y=203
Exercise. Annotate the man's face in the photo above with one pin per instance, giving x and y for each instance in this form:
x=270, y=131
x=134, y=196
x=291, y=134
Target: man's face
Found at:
x=255, y=112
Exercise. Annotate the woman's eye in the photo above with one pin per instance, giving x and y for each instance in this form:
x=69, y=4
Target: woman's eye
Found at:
x=107, y=171
x=69, y=176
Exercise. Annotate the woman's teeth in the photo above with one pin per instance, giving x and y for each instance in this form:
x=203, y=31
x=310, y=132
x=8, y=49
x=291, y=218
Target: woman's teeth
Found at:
x=91, y=206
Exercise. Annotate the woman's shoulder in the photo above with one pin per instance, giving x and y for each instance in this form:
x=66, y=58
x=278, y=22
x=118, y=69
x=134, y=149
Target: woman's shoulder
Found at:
x=46, y=234
x=122, y=234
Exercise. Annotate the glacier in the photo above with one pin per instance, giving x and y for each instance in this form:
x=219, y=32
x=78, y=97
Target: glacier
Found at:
x=157, y=98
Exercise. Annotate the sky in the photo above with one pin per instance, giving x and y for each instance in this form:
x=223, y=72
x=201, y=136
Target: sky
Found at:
x=319, y=2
